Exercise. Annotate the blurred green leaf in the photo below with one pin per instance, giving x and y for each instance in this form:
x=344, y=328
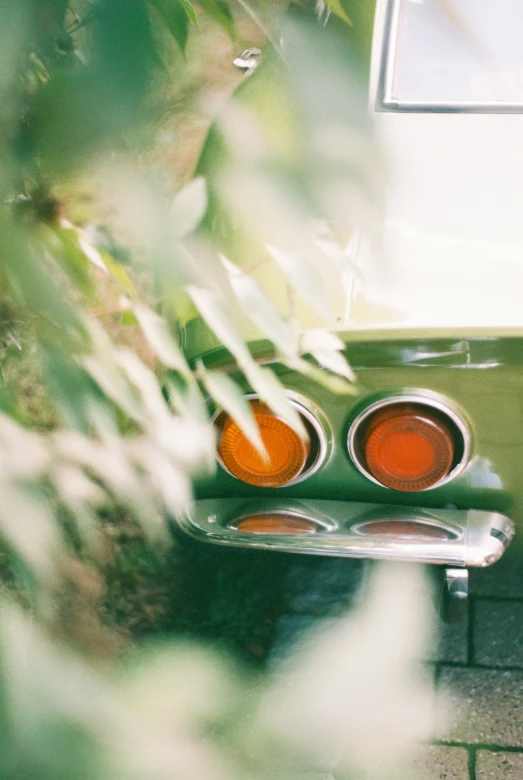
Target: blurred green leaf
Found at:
x=32, y=281
x=119, y=272
x=69, y=386
x=220, y=11
x=64, y=243
x=189, y=10
x=338, y=9
x=128, y=318
x=176, y=16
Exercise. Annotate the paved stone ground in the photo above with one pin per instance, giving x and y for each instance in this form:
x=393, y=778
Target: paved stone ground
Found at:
x=478, y=666
x=481, y=677
x=260, y=603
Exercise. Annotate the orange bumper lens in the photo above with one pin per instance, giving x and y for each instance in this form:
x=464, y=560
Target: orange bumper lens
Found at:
x=414, y=530
x=407, y=448
x=276, y=523
x=286, y=452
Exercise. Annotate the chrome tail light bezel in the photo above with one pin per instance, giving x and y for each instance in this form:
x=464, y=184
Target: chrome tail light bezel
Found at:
x=422, y=399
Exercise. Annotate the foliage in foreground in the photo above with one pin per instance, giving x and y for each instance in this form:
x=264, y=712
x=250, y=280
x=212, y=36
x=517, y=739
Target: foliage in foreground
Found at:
x=97, y=304
x=350, y=704
x=100, y=306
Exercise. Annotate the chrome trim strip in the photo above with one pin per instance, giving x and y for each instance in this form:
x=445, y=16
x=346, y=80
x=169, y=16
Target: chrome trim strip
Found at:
x=384, y=100
x=475, y=543
x=312, y=413
x=423, y=398
x=390, y=40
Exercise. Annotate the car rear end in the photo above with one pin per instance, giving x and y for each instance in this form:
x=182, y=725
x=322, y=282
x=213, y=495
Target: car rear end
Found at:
x=424, y=461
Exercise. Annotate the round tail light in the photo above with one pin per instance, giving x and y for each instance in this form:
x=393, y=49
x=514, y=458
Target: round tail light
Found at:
x=407, y=446
x=288, y=456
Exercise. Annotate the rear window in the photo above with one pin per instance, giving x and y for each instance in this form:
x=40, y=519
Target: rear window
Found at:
x=454, y=53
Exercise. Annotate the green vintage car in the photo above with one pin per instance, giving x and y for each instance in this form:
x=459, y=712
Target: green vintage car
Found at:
x=424, y=462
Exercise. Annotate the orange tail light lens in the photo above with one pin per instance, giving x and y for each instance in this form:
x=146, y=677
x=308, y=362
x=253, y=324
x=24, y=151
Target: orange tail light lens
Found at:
x=415, y=530
x=276, y=523
x=408, y=447
x=287, y=453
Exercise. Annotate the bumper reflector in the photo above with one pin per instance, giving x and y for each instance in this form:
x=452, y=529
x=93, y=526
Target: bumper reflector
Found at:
x=275, y=523
x=402, y=528
x=452, y=537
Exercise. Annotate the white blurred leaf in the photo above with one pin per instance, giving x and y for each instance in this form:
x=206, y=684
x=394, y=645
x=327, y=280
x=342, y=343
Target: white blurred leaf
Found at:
x=262, y=380
x=327, y=349
x=160, y=340
x=29, y=527
x=75, y=487
x=145, y=382
x=230, y=397
x=332, y=382
x=113, y=384
x=188, y=207
x=356, y=688
x=190, y=443
x=317, y=338
x=187, y=400
x=92, y=254
x=173, y=484
x=302, y=273
x=108, y=460
x=335, y=362
x=103, y=368
x=343, y=259
x=260, y=309
x=270, y=390
x=213, y=312
x=23, y=454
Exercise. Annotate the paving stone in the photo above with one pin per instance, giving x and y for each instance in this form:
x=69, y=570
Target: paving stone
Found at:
x=498, y=632
x=450, y=641
x=504, y=579
x=437, y=762
x=323, y=586
x=498, y=766
x=290, y=629
x=430, y=762
x=480, y=706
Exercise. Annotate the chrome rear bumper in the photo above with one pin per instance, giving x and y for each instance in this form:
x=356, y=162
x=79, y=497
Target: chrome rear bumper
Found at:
x=451, y=537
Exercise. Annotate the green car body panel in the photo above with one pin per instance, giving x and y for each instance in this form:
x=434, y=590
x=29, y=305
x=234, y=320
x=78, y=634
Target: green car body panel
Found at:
x=450, y=333
x=481, y=376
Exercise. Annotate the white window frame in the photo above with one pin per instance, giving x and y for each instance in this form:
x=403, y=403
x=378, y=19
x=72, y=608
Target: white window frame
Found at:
x=385, y=100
